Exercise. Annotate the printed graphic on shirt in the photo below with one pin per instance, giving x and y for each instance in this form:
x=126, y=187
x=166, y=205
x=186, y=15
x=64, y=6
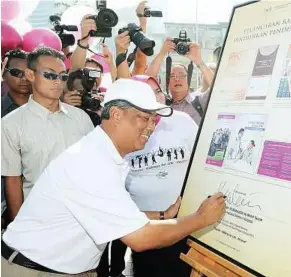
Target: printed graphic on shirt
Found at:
x=159, y=159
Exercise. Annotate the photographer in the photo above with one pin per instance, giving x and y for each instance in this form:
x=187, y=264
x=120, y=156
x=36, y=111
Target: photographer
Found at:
x=83, y=92
x=193, y=105
x=78, y=58
x=123, y=40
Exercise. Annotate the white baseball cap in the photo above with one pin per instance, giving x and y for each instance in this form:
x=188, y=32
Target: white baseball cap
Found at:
x=138, y=94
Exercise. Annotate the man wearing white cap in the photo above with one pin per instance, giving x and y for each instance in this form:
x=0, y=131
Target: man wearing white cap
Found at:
x=68, y=217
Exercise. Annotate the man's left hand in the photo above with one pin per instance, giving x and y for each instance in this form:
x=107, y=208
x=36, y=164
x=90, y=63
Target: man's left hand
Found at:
x=194, y=53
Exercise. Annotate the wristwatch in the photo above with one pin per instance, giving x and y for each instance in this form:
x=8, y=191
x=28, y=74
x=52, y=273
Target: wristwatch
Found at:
x=162, y=215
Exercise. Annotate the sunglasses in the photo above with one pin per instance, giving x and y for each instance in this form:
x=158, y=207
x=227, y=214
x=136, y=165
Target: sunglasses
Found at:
x=15, y=72
x=53, y=76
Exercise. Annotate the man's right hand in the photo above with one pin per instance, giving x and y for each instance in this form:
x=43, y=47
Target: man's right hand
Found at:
x=122, y=42
x=212, y=209
x=168, y=46
x=73, y=98
x=86, y=26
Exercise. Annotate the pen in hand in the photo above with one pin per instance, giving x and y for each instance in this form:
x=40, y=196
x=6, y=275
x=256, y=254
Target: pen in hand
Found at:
x=224, y=196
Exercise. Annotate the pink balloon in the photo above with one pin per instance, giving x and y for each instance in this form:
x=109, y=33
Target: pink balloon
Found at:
x=10, y=38
x=41, y=36
x=99, y=58
x=10, y=9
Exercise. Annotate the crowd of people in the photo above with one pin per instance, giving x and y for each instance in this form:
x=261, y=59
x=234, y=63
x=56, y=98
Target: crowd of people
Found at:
x=82, y=168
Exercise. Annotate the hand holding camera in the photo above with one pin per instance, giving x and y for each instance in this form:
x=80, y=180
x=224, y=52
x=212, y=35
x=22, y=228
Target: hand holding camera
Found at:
x=168, y=46
x=87, y=25
x=122, y=42
x=143, y=11
x=194, y=54
x=136, y=35
x=140, y=11
x=73, y=98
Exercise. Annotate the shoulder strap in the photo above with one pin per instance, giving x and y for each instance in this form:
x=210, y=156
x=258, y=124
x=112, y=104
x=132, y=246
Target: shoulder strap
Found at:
x=197, y=106
x=168, y=72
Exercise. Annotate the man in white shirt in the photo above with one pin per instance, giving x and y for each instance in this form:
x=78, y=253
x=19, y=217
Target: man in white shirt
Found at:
x=40, y=130
x=80, y=203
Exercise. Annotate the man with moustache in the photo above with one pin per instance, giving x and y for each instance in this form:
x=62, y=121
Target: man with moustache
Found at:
x=79, y=203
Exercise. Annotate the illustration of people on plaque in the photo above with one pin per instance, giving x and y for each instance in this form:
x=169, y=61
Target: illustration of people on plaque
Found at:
x=236, y=151
x=248, y=153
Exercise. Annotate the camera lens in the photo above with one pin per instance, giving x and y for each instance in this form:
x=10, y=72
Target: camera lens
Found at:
x=143, y=43
x=107, y=18
x=182, y=48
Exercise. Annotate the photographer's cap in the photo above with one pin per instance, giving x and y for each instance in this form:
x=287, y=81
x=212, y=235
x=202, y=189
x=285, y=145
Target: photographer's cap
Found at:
x=139, y=95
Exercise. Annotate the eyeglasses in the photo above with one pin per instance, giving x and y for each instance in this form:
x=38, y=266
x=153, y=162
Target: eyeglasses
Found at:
x=179, y=76
x=15, y=72
x=53, y=76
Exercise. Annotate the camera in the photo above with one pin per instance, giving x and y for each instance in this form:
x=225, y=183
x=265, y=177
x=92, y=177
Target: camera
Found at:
x=182, y=46
x=136, y=35
x=105, y=20
x=87, y=79
x=66, y=39
x=149, y=13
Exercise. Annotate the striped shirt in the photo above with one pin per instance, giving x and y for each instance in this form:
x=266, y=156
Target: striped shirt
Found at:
x=32, y=137
x=186, y=105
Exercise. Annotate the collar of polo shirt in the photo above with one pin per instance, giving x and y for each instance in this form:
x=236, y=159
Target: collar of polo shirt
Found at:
x=42, y=111
x=106, y=141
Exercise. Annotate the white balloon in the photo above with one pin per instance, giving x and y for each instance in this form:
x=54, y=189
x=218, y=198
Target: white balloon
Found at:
x=74, y=14
x=21, y=26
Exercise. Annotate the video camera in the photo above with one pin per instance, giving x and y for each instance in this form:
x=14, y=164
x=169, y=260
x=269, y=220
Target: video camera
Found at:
x=149, y=13
x=87, y=76
x=136, y=35
x=67, y=39
x=105, y=20
x=182, y=46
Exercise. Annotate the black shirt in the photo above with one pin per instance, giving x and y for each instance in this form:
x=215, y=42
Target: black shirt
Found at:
x=7, y=105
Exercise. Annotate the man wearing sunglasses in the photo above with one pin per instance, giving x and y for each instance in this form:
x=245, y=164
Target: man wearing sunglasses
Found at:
x=18, y=86
x=39, y=131
x=19, y=89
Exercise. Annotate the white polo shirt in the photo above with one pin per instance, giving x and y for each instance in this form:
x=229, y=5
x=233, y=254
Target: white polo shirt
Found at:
x=78, y=204
x=157, y=172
